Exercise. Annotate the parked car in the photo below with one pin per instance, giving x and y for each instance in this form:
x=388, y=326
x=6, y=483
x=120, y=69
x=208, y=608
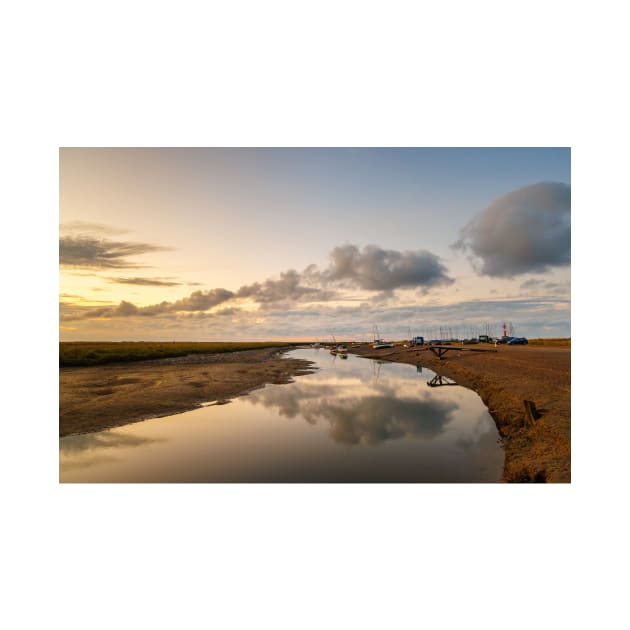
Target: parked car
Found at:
x=517, y=341
x=505, y=339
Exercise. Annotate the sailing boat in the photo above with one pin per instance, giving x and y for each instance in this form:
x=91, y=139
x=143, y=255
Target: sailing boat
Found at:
x=378, y=342
x=339, y=348
x=333, y=348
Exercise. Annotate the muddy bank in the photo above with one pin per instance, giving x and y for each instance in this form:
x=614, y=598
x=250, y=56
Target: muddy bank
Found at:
x=102, y=397
x=504, y=380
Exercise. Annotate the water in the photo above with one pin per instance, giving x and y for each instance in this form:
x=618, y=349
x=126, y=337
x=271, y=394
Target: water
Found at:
x=353, y=420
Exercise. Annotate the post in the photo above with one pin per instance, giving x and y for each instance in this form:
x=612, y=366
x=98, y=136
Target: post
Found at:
x=531, y=413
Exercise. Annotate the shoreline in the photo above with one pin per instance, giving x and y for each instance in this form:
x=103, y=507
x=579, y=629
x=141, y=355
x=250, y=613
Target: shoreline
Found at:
x=97, y=398
x=103, y=397
x=503, y=380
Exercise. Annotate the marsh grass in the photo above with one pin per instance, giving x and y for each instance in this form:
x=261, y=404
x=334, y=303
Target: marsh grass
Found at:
x=83, y=353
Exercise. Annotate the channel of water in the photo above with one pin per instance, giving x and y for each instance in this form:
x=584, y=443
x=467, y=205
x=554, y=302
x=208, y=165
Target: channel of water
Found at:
x=352, y=420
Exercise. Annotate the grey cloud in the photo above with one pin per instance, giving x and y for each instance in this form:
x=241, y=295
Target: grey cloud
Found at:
x=288, y=287
x=228, y=311
x=527, y=230
x=544, y=286
x=529, y=315
x=85, y=251
x=371, y=268
x=532, y=283
x=202, y=300
x=376, y=269
x=146, y=282
x=124, y=309
x=196, y=301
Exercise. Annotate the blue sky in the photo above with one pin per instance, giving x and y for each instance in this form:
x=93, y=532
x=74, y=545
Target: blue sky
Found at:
x=368, y=235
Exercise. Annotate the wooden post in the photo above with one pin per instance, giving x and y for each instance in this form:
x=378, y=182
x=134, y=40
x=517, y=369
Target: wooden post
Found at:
x=531, y=413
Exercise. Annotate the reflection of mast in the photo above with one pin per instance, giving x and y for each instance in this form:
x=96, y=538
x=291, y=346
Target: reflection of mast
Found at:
x=376, y=370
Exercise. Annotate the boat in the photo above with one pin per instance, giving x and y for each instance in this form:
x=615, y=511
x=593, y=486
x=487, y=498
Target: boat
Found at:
x=335, y=348
x=378, y=343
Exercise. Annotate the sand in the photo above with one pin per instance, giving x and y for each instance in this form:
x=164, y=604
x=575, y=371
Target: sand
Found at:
x=102, y=397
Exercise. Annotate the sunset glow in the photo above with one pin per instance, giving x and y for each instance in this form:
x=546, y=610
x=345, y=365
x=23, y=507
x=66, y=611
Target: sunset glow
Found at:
x=247, y=244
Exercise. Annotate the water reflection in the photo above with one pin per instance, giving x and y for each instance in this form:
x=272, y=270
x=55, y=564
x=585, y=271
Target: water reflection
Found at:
x=355, y=420
x=81, y=451
x=439, y=381
x=360, y=419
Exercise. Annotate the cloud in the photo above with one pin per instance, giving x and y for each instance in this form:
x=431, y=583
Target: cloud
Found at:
x=527, y=314
x=288, y=287
x=196, y=301
x=87, y=227
x=376, y=269
x=202, y=300
x=527, y=230
x=85, y=251
x=146, y=282
x=539, y=285
x=371, y=268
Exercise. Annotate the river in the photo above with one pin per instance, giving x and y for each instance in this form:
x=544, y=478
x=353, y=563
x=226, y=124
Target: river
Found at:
x=352, y=420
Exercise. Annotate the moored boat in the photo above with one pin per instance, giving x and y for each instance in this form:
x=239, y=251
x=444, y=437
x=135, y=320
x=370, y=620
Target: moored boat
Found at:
x=378, y=344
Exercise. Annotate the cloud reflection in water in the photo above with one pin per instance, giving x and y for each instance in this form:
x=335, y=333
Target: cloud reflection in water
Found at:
x=370, y=419
x=85, y=450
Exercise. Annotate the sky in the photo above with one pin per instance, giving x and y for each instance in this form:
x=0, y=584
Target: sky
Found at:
x=311, y=243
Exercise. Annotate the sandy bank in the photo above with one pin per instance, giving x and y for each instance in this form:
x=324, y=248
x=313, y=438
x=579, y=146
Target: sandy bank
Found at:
x=102, y=397
x=503, y=380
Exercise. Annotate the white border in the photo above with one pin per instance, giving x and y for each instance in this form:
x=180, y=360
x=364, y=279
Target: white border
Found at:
x=326, y=74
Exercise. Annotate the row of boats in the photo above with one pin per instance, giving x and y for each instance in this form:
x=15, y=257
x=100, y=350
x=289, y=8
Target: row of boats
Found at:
x=341, y=349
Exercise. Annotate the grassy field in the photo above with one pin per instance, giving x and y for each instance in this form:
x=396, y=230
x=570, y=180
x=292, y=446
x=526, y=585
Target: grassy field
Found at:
x=96, y=353
x=559, y=341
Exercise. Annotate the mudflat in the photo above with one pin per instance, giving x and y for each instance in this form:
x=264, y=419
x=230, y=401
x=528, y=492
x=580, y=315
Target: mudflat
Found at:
x=101, y=397
x=504, y=379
